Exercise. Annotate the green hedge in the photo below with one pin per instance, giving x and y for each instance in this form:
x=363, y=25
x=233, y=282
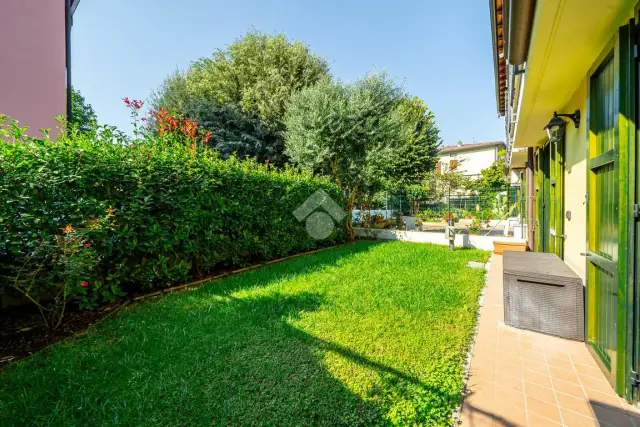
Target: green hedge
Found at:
x=179, y=212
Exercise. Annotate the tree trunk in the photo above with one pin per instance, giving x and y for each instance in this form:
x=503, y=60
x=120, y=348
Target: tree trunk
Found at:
x=351, y=235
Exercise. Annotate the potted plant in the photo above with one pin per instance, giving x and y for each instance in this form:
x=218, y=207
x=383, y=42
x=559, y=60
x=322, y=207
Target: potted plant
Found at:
x=475, y=227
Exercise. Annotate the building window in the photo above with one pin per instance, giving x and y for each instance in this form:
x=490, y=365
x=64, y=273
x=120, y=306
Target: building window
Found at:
x=453, y=164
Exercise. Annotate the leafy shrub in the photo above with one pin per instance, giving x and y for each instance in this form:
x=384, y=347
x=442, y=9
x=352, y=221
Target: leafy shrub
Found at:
x=475, y=227
x=177, y=211
x=236, y=132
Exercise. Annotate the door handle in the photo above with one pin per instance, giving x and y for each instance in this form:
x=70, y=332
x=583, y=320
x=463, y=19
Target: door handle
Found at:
x=584, y=253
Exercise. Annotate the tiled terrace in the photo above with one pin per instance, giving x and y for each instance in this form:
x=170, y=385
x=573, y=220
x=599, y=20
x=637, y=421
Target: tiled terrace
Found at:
x=523, y=378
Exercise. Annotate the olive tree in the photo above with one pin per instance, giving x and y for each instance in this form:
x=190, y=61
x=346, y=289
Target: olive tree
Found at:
x=350, y=132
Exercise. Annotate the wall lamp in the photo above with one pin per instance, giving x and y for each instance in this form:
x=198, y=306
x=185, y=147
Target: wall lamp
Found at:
x=556, y=124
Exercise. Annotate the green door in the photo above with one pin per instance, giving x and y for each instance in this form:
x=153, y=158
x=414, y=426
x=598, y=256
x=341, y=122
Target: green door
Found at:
x=611, y=194
x=602, y=269
x=543, y=202
x=556, y=196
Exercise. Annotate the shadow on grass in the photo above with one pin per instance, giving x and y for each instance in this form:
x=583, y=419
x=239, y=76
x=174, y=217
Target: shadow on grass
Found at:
x=227, y=361
x=241, y=364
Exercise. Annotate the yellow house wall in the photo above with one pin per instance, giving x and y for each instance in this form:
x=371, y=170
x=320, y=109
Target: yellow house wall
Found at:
x=575, y=184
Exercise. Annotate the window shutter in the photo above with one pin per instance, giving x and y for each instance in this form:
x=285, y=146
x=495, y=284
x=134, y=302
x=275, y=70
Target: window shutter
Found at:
x=438, y=168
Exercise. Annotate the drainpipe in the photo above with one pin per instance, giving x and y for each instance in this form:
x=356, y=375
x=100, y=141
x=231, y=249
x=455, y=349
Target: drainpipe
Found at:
x=518, y=22
x=530, y=200
x=67, y=20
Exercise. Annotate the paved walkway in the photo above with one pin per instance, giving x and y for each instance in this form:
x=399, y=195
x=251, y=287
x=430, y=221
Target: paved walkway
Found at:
x=523, y=378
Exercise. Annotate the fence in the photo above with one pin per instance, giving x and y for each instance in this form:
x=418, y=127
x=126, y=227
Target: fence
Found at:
x=489, y=204
x=488, y=211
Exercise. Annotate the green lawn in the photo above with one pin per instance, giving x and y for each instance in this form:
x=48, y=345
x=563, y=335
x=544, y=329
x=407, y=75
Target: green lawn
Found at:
x=365, y=334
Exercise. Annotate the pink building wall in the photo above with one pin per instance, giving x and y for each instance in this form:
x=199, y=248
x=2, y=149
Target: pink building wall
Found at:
x=32, y=62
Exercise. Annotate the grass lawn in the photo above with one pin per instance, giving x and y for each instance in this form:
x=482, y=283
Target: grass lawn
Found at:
x=365, y=334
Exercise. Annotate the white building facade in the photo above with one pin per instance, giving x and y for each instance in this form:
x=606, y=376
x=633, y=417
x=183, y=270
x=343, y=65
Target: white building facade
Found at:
x=470, y=159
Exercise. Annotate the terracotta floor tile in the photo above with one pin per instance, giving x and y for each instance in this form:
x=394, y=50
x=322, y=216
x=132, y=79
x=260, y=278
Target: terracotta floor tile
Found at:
x=603, y=398
x=510, y=382
x=508, y=349
x=480, y=401
x=543, y=409
x=518, y=376
x=480, y=385
x=571, y=419
x=540, y=393
x=509, y=370
x=537, y=367
x=589, y=371
x=535, y=420
x=508, y=396
x=510, y=416
x=507, y=341
x=561, y=363
x=480, y=364
x=471, y=417
x=535, y=356
x=582, y=359
x=574, y=404
x=595, y=384
x=502, y=359
x=537, y=379
x=563, y=375
x=488, y=374
x=571, y=389
x=557, y=350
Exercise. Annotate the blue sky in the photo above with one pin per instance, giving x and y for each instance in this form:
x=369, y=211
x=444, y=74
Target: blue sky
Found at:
x=439, y=50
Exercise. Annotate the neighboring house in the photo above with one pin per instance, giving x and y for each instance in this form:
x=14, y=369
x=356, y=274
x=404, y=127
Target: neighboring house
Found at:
x=470, y=159
x=578, y=58
x=35, y=60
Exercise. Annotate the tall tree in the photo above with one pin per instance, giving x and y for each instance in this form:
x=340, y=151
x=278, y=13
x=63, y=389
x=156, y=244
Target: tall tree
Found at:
x=418, y=154
x=83, y=117
x=495, y=175
x=349, y=132
x=234, y=132
x=258, y=72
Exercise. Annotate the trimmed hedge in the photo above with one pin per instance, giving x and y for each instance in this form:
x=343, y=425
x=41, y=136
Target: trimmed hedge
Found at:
x=179, y=212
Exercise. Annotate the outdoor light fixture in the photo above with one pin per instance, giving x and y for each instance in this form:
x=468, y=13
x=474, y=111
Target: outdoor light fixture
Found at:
x=556, y=124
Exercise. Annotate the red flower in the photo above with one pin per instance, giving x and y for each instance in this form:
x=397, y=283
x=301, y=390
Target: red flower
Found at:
x=84, y=284
x=207, y=136
x=87, y=245
x=126, y=100
x=144, y=119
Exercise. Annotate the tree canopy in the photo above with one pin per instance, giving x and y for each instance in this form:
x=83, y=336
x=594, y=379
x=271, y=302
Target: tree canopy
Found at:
x=494, y=176
x=418, y=154
x=350, y=132
x=236, y=133
x=258, y=73
x=83, y=117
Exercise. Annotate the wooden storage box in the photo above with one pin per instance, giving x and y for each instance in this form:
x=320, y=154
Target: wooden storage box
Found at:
x=499, y=246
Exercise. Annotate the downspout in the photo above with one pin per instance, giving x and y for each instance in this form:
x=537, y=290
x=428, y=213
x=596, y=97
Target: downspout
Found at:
x=492, y=9
x=518, y=23
x=530, y=200
x=67, y=20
